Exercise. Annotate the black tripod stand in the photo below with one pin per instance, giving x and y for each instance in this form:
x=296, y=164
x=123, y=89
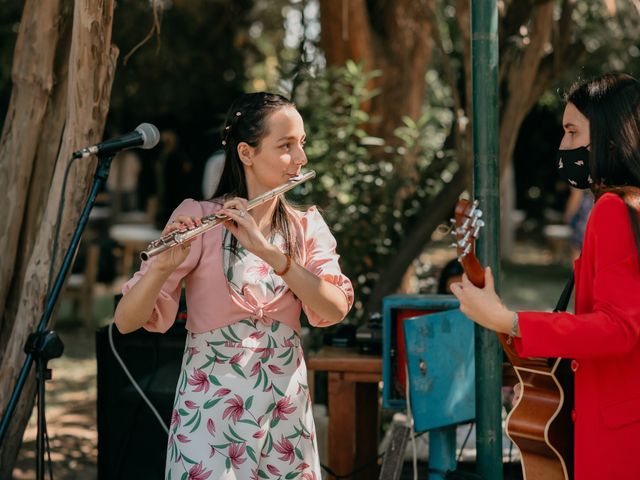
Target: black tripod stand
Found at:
x=44, y=345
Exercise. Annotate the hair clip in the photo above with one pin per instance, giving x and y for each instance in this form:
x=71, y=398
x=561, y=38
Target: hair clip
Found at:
x=238, y=114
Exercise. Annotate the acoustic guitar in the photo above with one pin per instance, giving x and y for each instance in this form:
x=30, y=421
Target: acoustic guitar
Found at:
x=540, y=423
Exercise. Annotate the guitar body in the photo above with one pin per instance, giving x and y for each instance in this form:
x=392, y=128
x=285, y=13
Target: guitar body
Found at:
x=540, y=423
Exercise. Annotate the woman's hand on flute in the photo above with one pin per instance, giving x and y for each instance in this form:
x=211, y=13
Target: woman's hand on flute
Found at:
x=243, y=226
x=170, y=259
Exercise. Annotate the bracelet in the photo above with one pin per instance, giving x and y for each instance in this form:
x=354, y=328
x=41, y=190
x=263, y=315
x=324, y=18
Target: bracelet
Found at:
x=515, y=325
x=286, y=268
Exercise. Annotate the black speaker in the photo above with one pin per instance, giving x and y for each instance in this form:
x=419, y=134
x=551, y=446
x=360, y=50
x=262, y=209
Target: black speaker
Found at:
x=131, y=442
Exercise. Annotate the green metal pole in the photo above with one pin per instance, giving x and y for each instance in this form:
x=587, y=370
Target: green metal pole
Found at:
x=486, y=172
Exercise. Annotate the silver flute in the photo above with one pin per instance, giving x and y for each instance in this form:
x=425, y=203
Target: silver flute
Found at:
x=208, y=222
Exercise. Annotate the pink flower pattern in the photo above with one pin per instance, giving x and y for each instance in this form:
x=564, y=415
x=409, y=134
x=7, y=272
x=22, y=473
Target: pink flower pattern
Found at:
x=244, y=408
x=283, y=408
x=236, y=451
x=200, y=381
x=198, y=472
x=236, y=409
x=285, y=447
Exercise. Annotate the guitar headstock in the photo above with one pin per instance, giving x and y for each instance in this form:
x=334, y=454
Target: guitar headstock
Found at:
x=466, y=227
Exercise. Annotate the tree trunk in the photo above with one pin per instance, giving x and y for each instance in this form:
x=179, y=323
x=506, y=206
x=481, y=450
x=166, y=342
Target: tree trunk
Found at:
x=393, y=37
x=525, y=73
x=63, y=70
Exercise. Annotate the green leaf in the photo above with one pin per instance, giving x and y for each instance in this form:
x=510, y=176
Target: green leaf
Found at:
x=228, y=463
x=214, y=380
x=291, y=475
x=188, y=460
x=184, y=476
x=248, y=402
x=230, y=273
x=249, y=421
x=299, y=453
x=262, y=474
x=242, y=440
x=210, y=360
x=226, y=336
x=285, y=353
x=274, y=421
x=193, y=419
x=228, y=437
x=219, y=355
x=251, y=452
x=195, y=427
x=222, y=446
x=211, y=403
x=183, y=412
x=277, y=390
x=269, y=443
x=271, y=407
x=275, y=326
x=259, y=379
x=238, y=369
x=233, y=334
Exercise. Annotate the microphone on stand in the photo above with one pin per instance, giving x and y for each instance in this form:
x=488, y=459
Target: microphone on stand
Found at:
x=144, y=136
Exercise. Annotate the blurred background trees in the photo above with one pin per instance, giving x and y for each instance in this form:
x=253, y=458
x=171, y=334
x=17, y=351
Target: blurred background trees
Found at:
x=384, y=87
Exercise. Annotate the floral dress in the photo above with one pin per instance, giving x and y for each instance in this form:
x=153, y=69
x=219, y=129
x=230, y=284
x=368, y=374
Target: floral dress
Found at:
x=242, y=408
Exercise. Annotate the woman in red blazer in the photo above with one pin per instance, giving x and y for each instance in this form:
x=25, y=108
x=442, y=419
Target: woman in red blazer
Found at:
x=600, y=150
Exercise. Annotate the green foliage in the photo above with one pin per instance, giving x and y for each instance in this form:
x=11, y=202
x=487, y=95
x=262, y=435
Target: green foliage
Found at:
x=369, y=200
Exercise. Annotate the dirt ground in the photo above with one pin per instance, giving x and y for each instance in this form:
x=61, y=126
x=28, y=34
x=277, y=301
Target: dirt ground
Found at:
x=533, y=280
x=70, y=410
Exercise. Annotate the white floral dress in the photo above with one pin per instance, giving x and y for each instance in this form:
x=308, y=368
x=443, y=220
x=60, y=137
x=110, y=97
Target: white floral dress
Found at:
x=242, y=408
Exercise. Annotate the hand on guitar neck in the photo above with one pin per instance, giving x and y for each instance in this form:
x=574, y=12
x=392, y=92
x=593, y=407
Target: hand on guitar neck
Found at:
x=476, y=292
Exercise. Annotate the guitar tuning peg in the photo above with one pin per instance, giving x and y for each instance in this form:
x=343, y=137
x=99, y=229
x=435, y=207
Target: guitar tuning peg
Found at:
x=454, y=244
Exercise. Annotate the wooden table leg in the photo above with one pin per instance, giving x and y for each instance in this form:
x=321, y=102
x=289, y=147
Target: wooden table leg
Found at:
x=367, y=430
x=342, y=424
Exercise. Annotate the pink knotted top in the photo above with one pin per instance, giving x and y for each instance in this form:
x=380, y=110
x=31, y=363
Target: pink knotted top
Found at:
x=212, y=303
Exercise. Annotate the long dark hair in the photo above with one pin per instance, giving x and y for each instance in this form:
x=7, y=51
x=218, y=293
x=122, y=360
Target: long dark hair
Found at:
x=247, y=122
x=611, y=103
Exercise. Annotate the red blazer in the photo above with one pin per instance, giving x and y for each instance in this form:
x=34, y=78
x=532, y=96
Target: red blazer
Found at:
x=603, y=338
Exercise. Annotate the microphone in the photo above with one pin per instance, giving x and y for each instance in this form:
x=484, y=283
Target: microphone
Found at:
x=144, y=136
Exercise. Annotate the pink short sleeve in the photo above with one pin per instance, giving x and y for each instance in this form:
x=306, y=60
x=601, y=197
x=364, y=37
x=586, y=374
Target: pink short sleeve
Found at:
x=322, y=259
x=166, y=307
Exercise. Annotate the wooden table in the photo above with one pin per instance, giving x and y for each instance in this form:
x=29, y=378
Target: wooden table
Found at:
x=353, y=408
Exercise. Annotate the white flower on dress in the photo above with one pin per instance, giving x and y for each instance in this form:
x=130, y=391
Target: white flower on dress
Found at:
x=258, y=271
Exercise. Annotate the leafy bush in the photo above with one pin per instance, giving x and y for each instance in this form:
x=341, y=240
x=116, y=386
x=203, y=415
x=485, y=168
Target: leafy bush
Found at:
x=367, y=194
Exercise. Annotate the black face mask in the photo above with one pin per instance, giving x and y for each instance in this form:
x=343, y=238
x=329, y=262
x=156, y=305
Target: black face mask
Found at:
x=573, y=166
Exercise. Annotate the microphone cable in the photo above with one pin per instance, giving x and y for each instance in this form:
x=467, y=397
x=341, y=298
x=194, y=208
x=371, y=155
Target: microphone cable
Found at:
x=133, y=381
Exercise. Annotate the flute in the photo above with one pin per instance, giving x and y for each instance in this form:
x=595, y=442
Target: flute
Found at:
x=208, y=222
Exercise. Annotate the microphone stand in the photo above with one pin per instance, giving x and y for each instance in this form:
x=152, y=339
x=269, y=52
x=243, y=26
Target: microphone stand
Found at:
x=44, y=345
